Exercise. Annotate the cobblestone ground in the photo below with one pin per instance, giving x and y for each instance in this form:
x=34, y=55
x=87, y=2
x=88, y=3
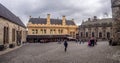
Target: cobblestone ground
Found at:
x=54, y=53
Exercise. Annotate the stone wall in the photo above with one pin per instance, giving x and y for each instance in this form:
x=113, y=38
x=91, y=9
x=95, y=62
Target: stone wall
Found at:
x=10, y=25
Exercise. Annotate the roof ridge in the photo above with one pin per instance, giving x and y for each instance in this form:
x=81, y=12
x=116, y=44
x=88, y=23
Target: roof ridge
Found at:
x=7, y=14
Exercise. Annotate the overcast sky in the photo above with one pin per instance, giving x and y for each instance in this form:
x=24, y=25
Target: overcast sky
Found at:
x=77, y=9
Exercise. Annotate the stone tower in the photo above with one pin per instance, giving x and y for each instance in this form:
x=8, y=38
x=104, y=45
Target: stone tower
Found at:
x=116, y=19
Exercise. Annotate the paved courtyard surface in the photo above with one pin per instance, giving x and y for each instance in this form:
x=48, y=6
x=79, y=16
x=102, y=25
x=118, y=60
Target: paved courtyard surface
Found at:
x=54, y=53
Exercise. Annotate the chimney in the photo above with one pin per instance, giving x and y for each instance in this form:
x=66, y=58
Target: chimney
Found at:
x=39, y=17
x=63, y=20
x=89, y=19
x=30, y=16
x=48, y=19
x=95, y=18
x=72, y=19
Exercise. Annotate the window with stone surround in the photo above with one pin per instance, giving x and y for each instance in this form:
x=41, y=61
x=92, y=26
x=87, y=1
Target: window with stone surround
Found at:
x=13, y=35
x=93, y=34
x=100, y=35
x=41, y=31
x=44, y=31
x=33, y=31
x=81, y=34
x=86, y=34
x=51, y=32
x=61, y=31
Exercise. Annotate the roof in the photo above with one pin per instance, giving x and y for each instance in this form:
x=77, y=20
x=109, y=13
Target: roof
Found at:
x=98, y=21
x=52, y=21
x=5, y=13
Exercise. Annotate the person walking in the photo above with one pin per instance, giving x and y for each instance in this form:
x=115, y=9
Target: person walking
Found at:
x=66, y=45
x=92, y=42
x=110, y=41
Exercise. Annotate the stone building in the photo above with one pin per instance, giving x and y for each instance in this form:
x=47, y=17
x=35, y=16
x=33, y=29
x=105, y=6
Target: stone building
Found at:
x=49, y=29
x=12, y=30
x=116, y=17
x=98, y=28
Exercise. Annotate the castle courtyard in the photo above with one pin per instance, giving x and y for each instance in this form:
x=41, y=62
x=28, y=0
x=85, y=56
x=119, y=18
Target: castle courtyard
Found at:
x=54, y=53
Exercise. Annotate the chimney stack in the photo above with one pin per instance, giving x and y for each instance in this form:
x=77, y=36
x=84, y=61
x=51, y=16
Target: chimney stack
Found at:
x=30, y=16
x=48, y=19
x=95, y=18
x=63, y=20
x=39, y=17
x=72, y=19
x=89, y=19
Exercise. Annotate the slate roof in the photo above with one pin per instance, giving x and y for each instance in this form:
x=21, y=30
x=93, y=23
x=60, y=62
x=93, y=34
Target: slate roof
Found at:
x=52, y=21
x=5, y=13
x=99, y=21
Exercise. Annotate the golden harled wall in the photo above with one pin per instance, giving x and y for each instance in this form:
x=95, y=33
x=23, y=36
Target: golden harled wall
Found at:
x=67, y=30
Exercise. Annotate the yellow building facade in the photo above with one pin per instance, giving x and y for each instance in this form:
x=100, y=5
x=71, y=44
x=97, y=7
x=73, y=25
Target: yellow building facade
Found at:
x=50, y=29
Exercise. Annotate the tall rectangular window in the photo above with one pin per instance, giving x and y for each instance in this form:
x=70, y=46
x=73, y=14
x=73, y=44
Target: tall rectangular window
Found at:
x=51, y=31
x=36, y=31
x=33, y=31
x=86, y=34
x=100, y=35
x=61, y=31
x=81, y=34
x=44, y=31
x=92, y=34
x=13, y=34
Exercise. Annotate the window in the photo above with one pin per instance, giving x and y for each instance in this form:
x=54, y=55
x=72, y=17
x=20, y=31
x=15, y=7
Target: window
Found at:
x=36, y=31
x=86, y=34
x=54, y=31
x=50, y=31
x=81, y=34
x=108, y=35
x=44, y=31
x=61, y=31
x=100, y=35
x=33, y=31
x=93, y=34
x=13, y=35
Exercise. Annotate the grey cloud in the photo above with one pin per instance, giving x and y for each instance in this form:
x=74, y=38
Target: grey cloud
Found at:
x=77, y=9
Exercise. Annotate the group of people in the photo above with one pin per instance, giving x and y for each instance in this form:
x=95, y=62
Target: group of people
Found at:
x=92, y=42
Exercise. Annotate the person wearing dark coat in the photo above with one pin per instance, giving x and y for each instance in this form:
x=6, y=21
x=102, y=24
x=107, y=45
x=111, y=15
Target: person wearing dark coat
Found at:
x=92, y=42
x=66, y=45
x=110, y=42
